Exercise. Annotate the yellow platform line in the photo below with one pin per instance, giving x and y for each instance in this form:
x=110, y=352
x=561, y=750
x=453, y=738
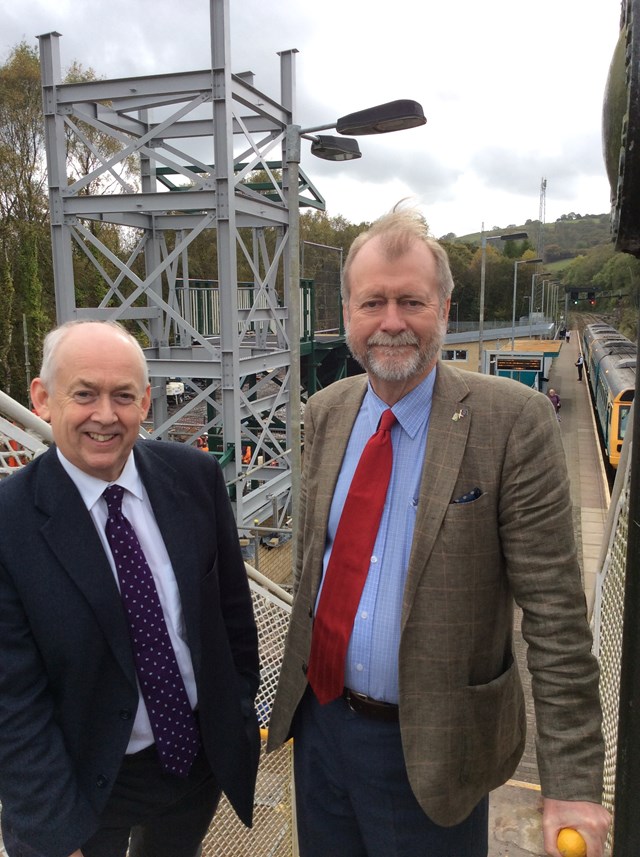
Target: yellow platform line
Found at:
x=521, y=785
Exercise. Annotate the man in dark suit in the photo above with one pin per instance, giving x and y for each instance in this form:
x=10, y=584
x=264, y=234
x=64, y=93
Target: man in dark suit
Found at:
x=425, y=714
x=82, y=758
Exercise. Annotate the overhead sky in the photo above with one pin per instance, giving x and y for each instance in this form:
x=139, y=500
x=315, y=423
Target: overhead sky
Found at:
x=512, y=91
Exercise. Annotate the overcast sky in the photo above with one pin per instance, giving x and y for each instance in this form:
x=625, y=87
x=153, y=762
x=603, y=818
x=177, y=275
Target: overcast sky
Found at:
x=512, y=91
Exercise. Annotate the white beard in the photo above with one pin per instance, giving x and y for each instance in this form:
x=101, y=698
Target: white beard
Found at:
x=398, y=367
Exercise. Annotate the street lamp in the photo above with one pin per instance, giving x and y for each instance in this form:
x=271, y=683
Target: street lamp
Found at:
x=515, y=286
x=335, y=148
x=528, y=298
x=534, y=280
x=381, y=119
x=455, y=304
x=552, y=298
x=510, y=236
x=547, y=304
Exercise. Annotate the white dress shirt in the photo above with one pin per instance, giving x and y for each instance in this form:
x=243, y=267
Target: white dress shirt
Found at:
x=136, y=507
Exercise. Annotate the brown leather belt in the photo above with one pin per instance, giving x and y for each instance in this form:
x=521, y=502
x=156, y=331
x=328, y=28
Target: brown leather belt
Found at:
x=370, y=708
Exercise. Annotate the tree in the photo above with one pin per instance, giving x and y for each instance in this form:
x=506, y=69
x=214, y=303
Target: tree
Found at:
x=465, y=293
x=29, y=314
x=325, y=242
x=581, y=271
x=620, y=274
x=6, y=317
x=22, y=161
x=24, y=234
x=516, y=249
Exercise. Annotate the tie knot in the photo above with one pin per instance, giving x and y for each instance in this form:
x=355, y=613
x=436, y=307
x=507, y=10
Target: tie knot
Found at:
x=387, y=420
x=113, y=495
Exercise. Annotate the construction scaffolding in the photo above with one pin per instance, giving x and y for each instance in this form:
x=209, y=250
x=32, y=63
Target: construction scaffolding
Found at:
x=198, y=137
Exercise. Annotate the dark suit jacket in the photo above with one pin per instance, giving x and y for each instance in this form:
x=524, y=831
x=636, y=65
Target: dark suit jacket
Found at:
x=462, y=714
x=67, y=680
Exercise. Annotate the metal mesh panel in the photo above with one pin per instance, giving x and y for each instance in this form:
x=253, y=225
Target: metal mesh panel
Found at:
x=273, y=831
x=611, y=645
x=269, y=550
x=12, y=458
x=272, y=834
x=608, y=628
x=17, y=446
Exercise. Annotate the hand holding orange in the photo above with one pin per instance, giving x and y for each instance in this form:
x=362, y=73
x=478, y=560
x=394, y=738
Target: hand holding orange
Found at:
x=571, y=843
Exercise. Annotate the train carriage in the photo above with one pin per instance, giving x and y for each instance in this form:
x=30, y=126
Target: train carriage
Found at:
x=610, y=359
x=609, y=354
x=596, y=340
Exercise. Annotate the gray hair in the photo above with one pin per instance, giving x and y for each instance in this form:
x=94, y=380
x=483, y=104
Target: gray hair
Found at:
x=398, y=230
x=55, y=337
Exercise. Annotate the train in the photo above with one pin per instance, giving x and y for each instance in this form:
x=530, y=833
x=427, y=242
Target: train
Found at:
x=610, y=362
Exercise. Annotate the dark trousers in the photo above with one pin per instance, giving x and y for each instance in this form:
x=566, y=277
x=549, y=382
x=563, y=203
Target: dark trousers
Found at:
x=353, y=797
x=166, y=816
x=151, y=813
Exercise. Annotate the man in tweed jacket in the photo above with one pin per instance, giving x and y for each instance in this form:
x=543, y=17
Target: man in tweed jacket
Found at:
x=477, y=516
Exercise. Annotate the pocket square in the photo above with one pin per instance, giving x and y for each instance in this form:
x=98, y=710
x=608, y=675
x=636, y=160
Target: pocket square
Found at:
x=469, y=497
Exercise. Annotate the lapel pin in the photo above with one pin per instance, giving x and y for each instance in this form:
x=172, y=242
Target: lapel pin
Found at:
x=459, y=414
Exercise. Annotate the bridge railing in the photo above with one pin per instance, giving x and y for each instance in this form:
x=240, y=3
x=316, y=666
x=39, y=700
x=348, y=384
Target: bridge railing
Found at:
x=608, y=614
x=23, y=435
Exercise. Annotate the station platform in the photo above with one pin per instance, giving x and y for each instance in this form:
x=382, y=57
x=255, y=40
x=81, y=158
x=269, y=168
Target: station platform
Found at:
x=515, y=825
x=516, y=808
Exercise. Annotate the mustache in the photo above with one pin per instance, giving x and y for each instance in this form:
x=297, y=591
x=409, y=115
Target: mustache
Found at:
x=407, y=337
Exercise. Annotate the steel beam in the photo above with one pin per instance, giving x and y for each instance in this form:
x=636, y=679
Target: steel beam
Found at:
x=250, y=363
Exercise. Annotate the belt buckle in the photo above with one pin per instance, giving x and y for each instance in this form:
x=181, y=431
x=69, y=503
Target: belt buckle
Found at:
x=352, y=696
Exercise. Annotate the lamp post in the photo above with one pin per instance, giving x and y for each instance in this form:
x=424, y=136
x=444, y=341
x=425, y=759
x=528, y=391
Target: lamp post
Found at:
x=511, y=236
x=381, y=119
x=455, y=304
x=515, y=286
x=528, y=298
x=534, y=279
x=546, y=305
x=553, y=300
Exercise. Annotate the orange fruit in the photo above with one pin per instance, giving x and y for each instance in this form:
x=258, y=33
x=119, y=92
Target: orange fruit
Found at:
x=571, y=844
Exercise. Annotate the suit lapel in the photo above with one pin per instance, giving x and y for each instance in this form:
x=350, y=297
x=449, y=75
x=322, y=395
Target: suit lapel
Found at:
x=71, y=535
x=449, y=426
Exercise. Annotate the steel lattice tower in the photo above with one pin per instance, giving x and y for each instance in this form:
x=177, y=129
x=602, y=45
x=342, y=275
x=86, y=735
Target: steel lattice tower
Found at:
x=213, y=129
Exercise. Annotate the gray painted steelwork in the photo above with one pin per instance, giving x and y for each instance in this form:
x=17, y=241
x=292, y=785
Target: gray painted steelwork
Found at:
x=233, y=340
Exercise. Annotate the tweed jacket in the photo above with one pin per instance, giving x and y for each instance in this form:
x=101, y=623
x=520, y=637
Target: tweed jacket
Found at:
x=68, y=692
x=462, y=715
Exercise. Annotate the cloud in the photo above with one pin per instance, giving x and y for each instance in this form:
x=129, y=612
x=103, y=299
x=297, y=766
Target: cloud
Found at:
x=510, y=94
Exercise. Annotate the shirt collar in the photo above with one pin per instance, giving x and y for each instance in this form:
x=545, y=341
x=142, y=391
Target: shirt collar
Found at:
x=91, y=488
x=411, y=411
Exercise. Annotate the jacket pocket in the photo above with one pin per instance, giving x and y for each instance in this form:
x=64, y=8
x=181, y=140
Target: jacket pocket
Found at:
x=494, y=725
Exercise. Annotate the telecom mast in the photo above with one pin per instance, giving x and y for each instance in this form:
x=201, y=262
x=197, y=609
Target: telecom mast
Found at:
x=541, y=219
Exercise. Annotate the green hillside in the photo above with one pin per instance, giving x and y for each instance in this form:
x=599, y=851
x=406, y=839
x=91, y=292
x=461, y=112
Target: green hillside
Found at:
x=569, y=236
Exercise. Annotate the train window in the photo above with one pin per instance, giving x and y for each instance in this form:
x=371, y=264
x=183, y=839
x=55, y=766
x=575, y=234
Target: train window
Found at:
x=624, y=416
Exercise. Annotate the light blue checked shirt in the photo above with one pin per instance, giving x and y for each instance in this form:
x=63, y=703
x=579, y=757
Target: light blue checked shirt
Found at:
x=372, y=658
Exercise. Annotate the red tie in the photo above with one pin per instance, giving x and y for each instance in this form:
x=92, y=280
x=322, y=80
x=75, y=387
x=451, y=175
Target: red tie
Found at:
x=349, y=563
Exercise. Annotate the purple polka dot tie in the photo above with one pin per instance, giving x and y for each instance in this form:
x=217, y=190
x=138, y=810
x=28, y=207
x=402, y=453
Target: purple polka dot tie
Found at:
x=172, y=721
